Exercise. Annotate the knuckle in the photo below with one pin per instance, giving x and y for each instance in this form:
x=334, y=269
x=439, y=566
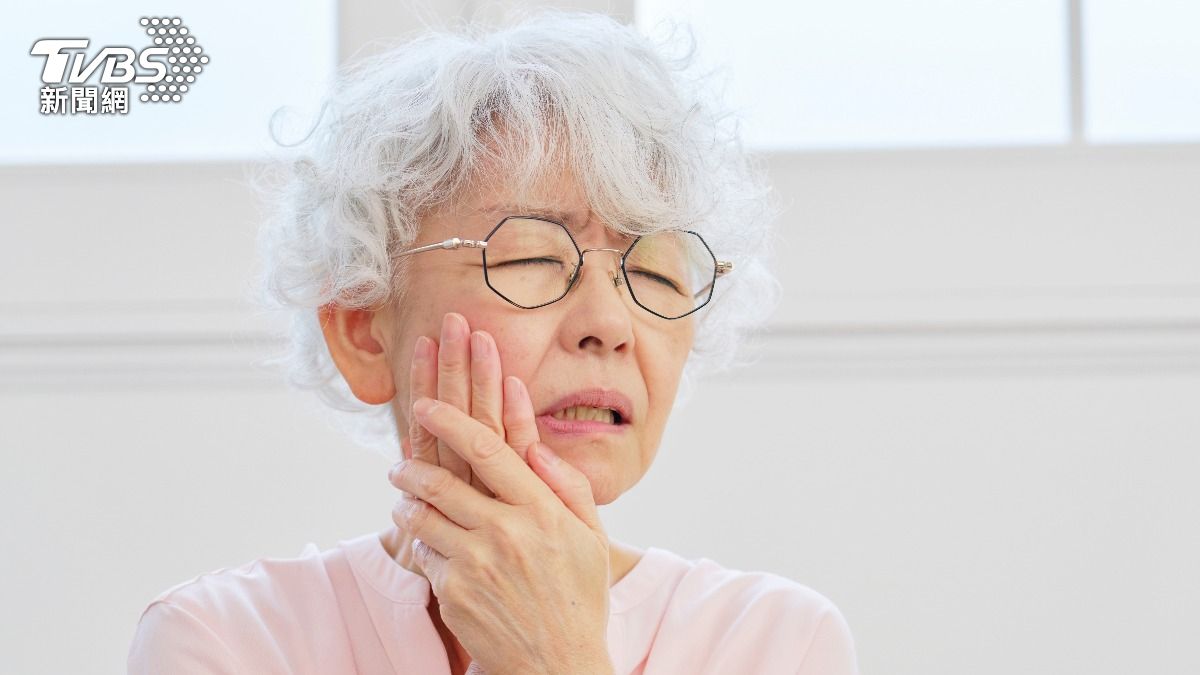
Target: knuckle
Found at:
x=479, y=565
x=493, y=576
x=420, y=552
x=450, y=363
x=415, y=513
x=437, y=482
x=486, y=445
x=450, y=587
x=424, y=550
x=495, y=423
x=418, y=433
x=507, y=534
x=407, y=472
x=402, y=514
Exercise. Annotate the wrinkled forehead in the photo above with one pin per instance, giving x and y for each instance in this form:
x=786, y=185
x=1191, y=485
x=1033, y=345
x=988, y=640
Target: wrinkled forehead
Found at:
x=491, y=196
x=547, y=174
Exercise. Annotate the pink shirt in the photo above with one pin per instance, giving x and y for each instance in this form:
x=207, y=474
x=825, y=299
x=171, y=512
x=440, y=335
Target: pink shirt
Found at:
x=667, y=615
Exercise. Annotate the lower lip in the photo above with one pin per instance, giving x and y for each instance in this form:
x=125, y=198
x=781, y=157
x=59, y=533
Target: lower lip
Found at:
x=579, y=427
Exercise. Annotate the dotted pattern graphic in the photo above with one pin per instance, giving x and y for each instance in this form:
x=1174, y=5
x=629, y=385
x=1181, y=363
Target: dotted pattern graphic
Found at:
x=185, y=60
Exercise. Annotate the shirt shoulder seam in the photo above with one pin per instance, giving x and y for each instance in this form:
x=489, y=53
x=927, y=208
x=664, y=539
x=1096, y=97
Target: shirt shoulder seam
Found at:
x=233, y=657
x=826, y=612
x=165, y=596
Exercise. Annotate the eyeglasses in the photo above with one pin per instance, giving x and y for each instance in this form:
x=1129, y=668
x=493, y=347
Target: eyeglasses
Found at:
x=532, y=261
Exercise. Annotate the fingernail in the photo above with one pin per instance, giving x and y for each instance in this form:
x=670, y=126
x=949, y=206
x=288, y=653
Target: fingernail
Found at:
x=395, y=467
x=479, y=346
x=423, y=349
x=454, y=327
x=512, y=388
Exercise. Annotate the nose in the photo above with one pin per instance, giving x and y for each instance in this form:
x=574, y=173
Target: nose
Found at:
x=599, y=319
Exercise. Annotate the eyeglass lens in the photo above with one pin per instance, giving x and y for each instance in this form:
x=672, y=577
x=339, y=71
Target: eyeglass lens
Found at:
x=532, y=262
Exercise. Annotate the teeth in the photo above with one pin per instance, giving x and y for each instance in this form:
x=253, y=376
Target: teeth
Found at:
x=586, y=412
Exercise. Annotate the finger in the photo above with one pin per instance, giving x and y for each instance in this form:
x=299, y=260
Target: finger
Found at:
x=422, y=521
x=403, y=546
x=486, y=396
x=436, y=486
x=570, y=484
x=422, y=383
x=520, y=422
x=500, y=467
x=405, y=447
x=454, y=384
x=430, y=562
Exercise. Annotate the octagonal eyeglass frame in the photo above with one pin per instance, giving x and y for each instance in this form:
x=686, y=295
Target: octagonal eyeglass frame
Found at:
x=720, y=268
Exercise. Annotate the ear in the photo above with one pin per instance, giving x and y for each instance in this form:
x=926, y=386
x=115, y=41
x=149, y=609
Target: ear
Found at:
x=355, y=338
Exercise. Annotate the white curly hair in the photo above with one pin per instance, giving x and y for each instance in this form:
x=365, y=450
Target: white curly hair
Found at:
x=410, y=127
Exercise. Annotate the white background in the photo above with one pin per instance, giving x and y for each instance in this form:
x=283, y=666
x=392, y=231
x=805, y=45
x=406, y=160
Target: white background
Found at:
x=975, y=424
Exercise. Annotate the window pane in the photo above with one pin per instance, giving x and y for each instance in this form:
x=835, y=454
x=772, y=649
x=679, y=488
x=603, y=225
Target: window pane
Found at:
x=262, y=56
x=1142, y=65
x=863, y=73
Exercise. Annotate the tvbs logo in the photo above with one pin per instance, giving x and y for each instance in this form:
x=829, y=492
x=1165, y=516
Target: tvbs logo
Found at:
x=168, y=68
x=118, y=63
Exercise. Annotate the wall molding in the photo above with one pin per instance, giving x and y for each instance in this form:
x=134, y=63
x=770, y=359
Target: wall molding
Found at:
x=975, y=349
x=55, y=347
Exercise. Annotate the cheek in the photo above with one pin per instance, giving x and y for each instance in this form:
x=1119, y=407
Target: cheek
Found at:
x=671, y=350
x=522, y=341
x=423, y=306
x=662, y=366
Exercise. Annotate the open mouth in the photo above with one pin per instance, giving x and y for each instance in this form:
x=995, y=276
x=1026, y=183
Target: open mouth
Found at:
x=594, y=410
x=587, y=413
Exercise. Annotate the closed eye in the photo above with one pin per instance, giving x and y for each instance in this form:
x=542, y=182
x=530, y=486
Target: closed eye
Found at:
x=527, y=261
x=659, y=279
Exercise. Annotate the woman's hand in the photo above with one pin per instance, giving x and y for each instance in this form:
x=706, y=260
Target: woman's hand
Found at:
x=467, y=376
x=522, y=578
x=447, y=372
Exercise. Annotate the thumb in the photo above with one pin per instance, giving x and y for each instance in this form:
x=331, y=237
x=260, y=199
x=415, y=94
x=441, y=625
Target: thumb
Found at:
x=569, y=483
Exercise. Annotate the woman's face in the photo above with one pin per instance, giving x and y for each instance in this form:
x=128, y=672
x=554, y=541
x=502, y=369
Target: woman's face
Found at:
x=594, y=338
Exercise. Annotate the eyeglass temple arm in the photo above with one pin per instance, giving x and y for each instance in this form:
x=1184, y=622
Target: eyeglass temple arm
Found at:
x=452, y=243
x=723, y=267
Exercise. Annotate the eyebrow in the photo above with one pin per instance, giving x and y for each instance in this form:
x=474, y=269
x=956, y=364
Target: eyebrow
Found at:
x=563, y=217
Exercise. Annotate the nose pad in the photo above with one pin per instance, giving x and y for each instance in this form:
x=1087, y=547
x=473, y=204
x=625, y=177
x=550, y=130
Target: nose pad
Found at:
x=617, y=278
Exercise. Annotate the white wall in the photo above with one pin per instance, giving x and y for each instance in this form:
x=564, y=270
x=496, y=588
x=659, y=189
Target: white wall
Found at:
x=973, y=426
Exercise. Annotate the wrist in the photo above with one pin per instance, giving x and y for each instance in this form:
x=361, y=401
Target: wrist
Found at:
x=601, y=666
x=581, y=663
x=598, y=664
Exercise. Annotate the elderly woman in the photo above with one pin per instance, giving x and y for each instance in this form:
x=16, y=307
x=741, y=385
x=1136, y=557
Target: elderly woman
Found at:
x=509, y=250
